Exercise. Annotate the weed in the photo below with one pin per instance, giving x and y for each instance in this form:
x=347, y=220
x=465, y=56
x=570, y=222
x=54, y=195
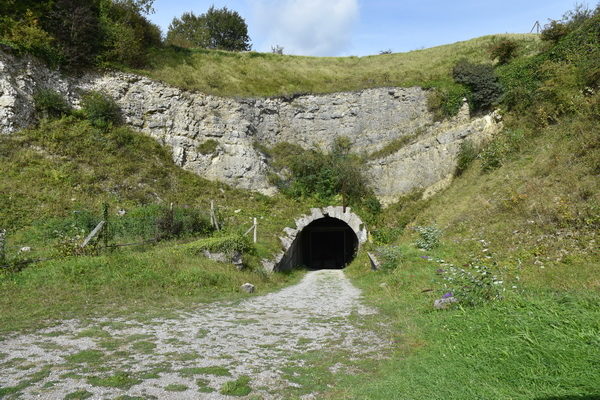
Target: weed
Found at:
x=121, y=380
x=78, y=395
x=86, y=356
x=429, y=237
x=175, y=387
x=238, y=387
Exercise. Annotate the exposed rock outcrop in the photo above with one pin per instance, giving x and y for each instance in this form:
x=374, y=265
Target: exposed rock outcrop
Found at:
x=185, y=120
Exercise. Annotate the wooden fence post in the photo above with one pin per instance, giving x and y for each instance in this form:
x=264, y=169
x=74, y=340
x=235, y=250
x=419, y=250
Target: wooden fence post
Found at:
x=255, y=228
x=213, y=216
x=106, y=226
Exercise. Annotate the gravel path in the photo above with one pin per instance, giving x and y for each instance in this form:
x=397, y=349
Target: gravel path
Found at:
x=194, y=354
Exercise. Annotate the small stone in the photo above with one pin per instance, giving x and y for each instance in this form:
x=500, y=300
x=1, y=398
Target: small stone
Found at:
x=445, y=302
x=237, y=211
x=25, y=249
x=383, y=285
x=248, y=287
x=121, y=212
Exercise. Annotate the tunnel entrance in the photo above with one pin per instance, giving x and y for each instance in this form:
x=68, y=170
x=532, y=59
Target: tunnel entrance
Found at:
x=327, y=243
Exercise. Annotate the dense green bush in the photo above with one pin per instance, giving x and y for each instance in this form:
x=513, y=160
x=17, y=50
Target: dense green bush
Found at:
x=482, y=82
x=324, y=176
x=100, y=109
x=80, y=33
x=445, y=100
x=503, y=50
x=25, y=35
x=51, y=104
x=390, y=257
x=128, y=35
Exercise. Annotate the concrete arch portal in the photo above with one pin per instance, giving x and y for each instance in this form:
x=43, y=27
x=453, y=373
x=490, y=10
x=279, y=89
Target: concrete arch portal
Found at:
x=328, y=238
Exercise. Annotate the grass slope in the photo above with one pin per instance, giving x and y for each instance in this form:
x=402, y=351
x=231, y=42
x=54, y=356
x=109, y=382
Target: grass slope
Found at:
x=53, y=175
x=263, y=74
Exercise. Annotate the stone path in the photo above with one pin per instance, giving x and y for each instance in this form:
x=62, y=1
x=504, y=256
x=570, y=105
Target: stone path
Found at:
x=259, y=343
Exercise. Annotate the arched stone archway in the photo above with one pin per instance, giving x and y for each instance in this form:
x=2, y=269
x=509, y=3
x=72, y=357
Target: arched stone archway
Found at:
x=326, y=238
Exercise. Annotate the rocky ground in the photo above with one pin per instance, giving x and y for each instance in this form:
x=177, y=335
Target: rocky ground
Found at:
x=258, y=348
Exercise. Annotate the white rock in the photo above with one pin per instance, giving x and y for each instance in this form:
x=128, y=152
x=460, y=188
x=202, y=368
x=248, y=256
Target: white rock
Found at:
x=248, y=288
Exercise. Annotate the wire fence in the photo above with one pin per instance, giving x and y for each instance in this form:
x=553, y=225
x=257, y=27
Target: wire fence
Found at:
x=86, y=232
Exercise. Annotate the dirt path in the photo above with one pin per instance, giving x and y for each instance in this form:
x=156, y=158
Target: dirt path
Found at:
x=262, y=344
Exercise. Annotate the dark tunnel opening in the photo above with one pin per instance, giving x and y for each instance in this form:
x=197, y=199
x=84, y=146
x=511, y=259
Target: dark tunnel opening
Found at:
x=327, y=243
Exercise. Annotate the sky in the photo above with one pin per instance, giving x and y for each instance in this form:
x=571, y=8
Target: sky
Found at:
x=365, y=27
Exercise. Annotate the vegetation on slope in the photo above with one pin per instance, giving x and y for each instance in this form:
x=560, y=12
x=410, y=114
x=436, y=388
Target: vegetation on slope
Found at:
x=518, y=248
x=262, y=74
x=54, y=180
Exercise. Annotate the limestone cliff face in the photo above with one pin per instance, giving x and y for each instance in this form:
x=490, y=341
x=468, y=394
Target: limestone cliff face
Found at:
x=184, y=120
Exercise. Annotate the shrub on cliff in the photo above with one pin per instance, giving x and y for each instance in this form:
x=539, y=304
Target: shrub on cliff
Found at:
x=481, y=80
x=100, y=109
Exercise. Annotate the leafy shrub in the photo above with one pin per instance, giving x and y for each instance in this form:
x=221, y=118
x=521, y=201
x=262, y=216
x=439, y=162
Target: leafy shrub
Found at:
x=554, y=31
x=100, y=109
x=390, y=257
x=51, y=104
x=445, y=101
x=472, y=285
x=466, y=155
x=69, y=244
x=503, y=50
x=75, y=25
x=482, y=82
x=429, y=237
x=27, y=36
x=323, y=176
x=493, y=155
x=386, y=234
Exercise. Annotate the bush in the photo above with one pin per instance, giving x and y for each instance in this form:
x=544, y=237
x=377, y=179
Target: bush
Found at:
x=473, y=285
x=390, y=257
x=503, y=50
x=128, y=34
x=100, y=109
x=429, y=237
x=51, y=104
x=481, y=80
x=27, y=36
x=466, y=155
x=445, y=101
x=323, y=176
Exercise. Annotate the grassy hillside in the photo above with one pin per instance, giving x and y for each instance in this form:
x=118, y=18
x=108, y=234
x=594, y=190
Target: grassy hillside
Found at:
x=263, y=74
x=54, y=179
x=518, y=245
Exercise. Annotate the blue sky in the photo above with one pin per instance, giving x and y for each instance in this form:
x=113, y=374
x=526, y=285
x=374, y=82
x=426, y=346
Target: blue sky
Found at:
x=363, y=27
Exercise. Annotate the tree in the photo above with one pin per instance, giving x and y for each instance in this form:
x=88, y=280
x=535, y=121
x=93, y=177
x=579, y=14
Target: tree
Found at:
x=188, y=31
x=216, y=29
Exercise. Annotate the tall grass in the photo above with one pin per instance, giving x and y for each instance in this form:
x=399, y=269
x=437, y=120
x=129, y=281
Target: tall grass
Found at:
x=261, y=74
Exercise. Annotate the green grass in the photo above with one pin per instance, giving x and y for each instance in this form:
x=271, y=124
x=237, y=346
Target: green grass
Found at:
x=78, y=395
x=238, y=387
x=261, y=74
x=174, y=387
x=86, y=356
x=71, y=169
x=121, y=380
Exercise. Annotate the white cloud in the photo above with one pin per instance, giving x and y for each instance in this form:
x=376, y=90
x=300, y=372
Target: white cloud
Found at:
x=307, y=27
